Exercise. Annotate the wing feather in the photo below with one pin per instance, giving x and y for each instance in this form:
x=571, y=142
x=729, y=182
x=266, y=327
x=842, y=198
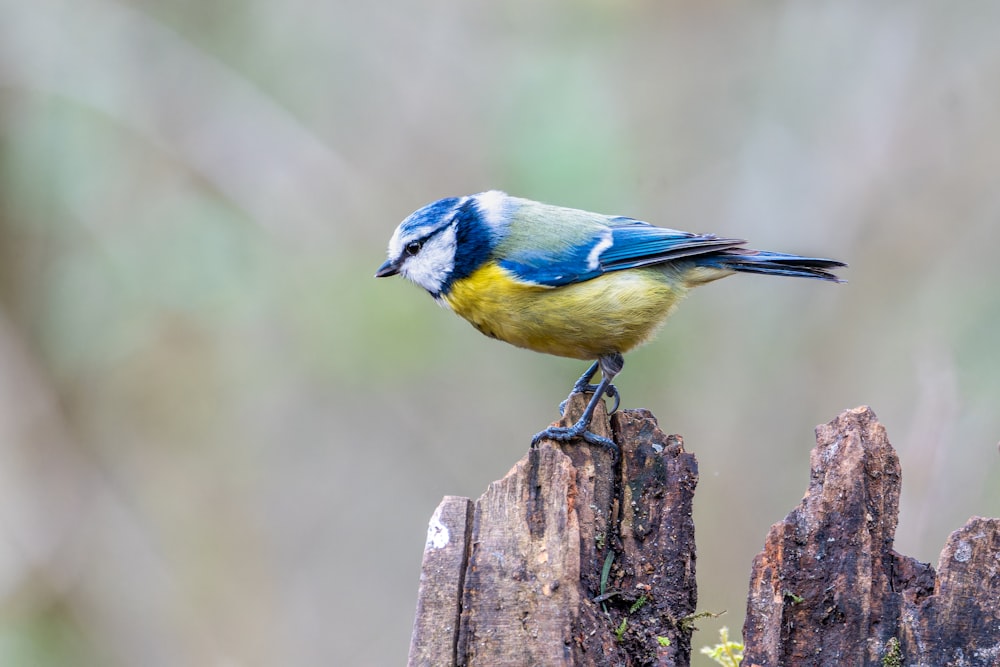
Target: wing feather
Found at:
x=619, y=244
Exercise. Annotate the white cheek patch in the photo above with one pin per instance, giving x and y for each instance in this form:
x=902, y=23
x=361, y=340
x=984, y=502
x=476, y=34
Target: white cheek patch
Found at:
x=431, y=267
x=594, y=256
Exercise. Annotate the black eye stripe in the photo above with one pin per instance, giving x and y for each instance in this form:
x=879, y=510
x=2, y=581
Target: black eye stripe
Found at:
x=415, y=246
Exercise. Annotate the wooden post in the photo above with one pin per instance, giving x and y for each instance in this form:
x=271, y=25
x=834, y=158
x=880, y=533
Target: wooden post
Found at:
x=572, y=558
x=576, y=559
x=828, y=588
x=442, y=581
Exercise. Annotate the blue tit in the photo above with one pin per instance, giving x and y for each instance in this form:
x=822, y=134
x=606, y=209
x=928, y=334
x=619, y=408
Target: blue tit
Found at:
x=567, y=282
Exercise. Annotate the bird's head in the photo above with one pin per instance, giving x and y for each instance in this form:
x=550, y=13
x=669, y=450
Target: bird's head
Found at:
x=447, y=240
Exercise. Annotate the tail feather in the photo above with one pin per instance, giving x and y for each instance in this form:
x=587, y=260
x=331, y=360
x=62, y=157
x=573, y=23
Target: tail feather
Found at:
x=774, y=264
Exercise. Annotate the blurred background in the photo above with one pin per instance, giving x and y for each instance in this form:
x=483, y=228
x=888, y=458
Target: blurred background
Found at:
x=221, y=438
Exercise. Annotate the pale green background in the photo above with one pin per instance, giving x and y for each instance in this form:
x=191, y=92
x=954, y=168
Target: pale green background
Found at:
x=221, y=438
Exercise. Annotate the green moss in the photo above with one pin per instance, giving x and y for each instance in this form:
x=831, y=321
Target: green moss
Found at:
x=620, y=630
x=893, y=654
x=796, y=599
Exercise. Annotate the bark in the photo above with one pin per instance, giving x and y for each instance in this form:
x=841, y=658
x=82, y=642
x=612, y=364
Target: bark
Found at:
x=534, y=589
x=828, y=588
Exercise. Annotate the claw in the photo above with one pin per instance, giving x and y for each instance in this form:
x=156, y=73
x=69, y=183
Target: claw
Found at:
x=577, y=430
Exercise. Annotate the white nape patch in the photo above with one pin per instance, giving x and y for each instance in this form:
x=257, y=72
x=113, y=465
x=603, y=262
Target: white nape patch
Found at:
x=438, y=535
x=494, y=206
x=431, y=267
x=594, y=256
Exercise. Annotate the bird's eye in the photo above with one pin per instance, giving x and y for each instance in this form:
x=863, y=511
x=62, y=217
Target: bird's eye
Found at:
x=413, y=247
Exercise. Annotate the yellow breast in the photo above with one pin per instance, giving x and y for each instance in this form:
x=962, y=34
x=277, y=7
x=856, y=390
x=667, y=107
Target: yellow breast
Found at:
x=611, y=313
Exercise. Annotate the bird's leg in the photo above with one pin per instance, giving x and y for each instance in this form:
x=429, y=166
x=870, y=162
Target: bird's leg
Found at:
x=583, y=386
x=612, y=392
x=610, y=365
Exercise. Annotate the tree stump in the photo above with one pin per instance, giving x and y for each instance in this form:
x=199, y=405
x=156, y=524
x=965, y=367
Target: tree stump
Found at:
x=828, y=588
x=573, y=558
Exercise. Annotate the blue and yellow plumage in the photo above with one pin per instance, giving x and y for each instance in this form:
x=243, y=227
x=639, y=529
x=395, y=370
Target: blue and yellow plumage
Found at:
x=567, y=282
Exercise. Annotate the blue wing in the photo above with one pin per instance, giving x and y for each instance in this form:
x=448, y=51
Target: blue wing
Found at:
x=620, y=243
x=636, y=243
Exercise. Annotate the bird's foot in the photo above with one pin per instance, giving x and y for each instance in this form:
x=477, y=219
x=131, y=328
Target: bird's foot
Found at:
x=610, y=366
x=577, y=431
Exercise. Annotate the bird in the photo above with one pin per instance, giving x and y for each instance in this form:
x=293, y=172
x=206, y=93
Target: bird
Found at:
x=568, y=282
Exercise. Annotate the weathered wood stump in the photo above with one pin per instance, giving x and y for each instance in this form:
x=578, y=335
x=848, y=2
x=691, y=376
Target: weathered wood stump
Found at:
x=828, y=588
x=572, y=558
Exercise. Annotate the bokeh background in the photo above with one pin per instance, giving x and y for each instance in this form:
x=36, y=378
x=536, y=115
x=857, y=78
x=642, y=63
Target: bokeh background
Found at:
x=221, y=438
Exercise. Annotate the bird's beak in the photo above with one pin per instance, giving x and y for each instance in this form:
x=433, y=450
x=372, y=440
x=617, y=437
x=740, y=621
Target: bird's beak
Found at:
x=390, y=268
